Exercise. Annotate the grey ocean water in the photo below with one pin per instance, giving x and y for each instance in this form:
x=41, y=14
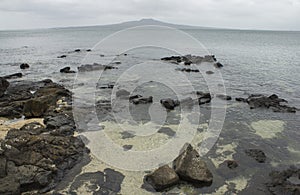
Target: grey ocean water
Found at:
x=265, y=62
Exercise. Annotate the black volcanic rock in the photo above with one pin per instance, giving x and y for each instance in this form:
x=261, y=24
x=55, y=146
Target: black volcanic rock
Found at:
x=36, y=157
x=24, y=66
x=272, y=102
x=169, y=103
x=162, y=178
x=67, y=70
x=191, y=168
x=13, y=76
x=62, y=56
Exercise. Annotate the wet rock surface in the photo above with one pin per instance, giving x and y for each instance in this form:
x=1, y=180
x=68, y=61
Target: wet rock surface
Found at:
x=272, y=102
x=285, y=182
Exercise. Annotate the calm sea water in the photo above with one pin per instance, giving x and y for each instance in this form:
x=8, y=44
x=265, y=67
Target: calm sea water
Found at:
x=265, y=62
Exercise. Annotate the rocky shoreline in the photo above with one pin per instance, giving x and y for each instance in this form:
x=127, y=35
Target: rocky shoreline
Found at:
x=37, y=155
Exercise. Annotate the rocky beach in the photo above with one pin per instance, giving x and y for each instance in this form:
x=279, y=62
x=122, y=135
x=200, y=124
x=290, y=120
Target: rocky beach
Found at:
x=63, y=102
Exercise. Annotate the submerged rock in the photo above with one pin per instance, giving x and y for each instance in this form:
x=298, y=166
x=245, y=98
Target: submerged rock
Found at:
x=162, y=178
x=3, y=86
x=191, y=168
x=209, y=72
x=107, y=182
x=24, y=66
x=224, y=97
x=231, y=164
x=122, y=93
x=257, y=154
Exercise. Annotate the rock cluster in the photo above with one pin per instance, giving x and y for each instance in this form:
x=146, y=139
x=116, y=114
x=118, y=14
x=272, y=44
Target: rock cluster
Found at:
x=190, y=59
x=187, y=167
x=31, y=99
x=269, y=102
x=95, y=66
x=36, y=157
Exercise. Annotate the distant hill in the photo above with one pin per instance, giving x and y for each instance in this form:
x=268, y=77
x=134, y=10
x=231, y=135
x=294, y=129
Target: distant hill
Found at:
x=149, y=21
x=145, y=21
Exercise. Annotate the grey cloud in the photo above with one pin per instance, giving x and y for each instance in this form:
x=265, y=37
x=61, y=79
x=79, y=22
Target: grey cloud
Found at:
x=267, y=14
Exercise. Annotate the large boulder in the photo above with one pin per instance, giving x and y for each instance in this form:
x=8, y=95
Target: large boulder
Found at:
x=3, y=86
x=162, y=178
x=190, y=167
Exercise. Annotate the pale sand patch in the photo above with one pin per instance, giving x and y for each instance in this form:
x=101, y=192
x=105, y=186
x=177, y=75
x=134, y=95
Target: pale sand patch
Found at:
x=268, y=129
x=240, y=183
x=220, y=151
x=6, y=124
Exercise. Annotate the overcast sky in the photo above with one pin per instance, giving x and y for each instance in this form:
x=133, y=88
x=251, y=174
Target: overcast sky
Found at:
x=241, y=14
